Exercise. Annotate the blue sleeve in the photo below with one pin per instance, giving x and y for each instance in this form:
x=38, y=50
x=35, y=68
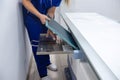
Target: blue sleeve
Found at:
x=56, y=3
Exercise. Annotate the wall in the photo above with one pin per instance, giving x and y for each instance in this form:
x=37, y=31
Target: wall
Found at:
x=13, y=57
x=109, y=8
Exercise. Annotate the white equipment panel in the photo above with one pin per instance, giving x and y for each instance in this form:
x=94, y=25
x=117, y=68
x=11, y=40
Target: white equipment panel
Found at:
x=99, y=38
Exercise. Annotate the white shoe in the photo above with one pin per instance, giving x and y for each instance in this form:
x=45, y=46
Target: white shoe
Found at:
x=46, y=78
x=52, y=67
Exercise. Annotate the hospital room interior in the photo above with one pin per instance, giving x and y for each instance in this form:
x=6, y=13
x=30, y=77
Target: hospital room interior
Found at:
x=87, y=44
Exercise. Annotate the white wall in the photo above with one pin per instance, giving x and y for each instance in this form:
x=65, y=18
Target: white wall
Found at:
x=13, y=57
x=109, y=8
x=28, y=51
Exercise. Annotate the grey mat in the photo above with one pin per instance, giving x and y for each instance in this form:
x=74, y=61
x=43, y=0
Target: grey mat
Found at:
x=61, y=32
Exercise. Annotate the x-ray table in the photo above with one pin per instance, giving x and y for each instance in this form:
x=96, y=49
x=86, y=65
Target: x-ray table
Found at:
x=99, y=37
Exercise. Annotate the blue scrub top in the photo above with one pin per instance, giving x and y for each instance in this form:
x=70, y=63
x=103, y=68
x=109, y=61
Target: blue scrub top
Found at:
x=42, y=6
x=32, y=23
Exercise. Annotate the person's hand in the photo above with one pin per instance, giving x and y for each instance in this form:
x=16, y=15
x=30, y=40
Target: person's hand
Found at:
x=55, y=37
x=50, y=33
x=58, y=40
x=43, y=18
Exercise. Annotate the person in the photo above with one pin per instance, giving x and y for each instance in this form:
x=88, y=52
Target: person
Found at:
x=35, y=15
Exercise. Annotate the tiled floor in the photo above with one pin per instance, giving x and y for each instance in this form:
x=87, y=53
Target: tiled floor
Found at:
x=60, y=60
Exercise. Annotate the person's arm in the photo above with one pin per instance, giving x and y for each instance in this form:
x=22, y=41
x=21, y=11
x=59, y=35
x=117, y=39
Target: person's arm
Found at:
x=29, y=6
x=51, y=14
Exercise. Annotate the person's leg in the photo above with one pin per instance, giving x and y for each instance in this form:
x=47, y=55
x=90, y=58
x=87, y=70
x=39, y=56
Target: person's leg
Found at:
x=41, y=61
x=34, y=30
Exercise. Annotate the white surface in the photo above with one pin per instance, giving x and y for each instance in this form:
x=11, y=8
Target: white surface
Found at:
x=102, y=36
x=13, y=58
